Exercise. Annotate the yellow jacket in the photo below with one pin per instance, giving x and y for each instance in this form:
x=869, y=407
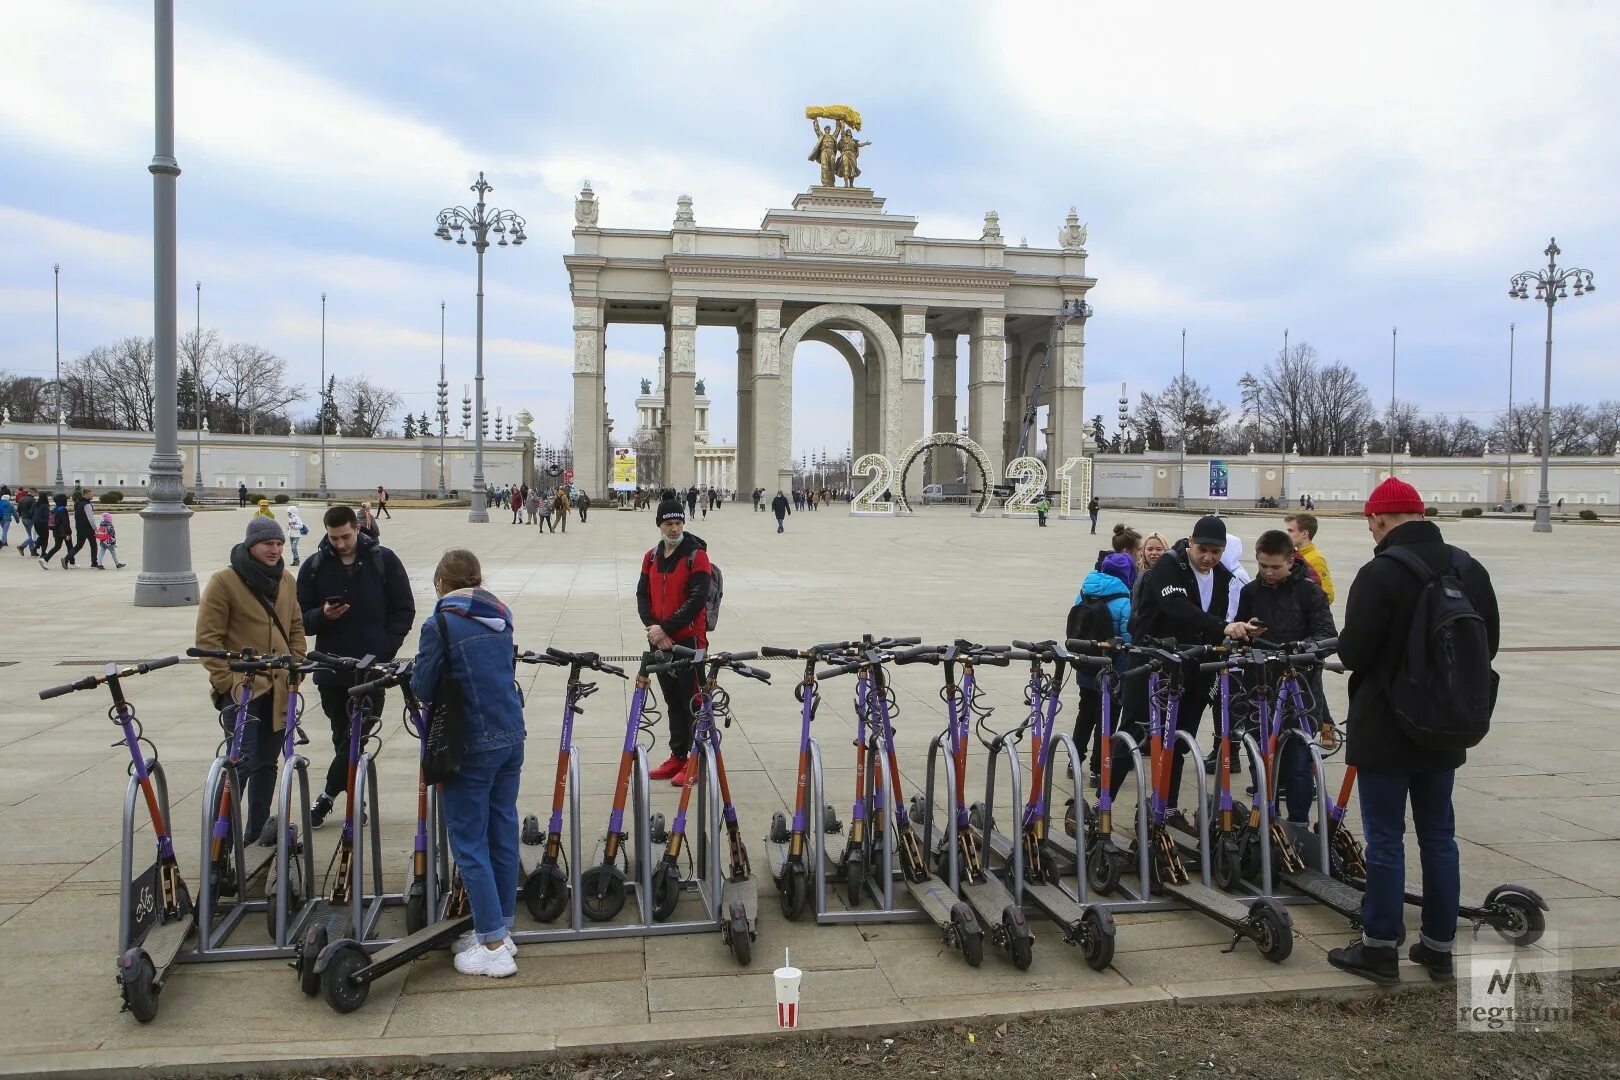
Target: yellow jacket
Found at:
x=1319, y=563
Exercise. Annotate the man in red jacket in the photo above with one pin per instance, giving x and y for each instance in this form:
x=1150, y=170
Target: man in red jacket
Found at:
x=672, y=598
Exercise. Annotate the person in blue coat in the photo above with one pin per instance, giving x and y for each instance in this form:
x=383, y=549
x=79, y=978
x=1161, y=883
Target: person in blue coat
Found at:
x=1108, y=587
x=471, y=631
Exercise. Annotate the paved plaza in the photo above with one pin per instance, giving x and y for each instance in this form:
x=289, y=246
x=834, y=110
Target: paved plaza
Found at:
x=1537, y=804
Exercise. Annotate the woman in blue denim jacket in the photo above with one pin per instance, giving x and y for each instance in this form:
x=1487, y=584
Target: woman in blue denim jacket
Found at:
x=480, y=803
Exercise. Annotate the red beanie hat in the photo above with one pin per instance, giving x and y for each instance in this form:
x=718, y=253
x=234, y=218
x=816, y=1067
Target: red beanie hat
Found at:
x=1394, y=496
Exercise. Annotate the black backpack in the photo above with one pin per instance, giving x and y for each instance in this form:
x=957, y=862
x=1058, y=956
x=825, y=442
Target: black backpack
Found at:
x=1090, y=620
x=1443, y=690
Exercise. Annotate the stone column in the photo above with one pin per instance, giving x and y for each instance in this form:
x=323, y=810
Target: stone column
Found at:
x=681, y=398
x=944, y=414
x=771, y=462
x=987, y=387
x=745, y=405
x=1067, y=416
x=913, y=407
x=590, y=470
x=1019, y=379
x=872, y=410
x=857, y=382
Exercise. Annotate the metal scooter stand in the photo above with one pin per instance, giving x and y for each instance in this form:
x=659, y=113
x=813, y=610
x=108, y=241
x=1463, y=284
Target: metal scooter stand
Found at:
x=287, y=928
x=163, y=942
x=881, y=883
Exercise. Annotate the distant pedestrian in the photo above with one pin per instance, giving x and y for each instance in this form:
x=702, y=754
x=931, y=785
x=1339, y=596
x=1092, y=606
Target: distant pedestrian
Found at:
x=41, y=518
x=107, y=540
x=264, y=510
x=84, y=531
x=584, y=506
x=296, y=530
x=25, y=514
x=1042, y=507
x=561, y=506
x=368, y=521
x=382, y=502
x=60, y=524
x=691, y=501
x=8, y=513
x=241, y=493
x=1094, y=507
x=517, y=509
x=546, y=507
x=780, y=507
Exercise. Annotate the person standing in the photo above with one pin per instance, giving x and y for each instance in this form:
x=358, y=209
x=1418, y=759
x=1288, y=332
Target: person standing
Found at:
x=1302, y=529
x=562, y=507
x=1109, y=588
x=296, y=531
x=355, y=599
x=1094, y=507
x=517, y=508
x=1043, y=506
x=1185, y=598
x=779, y=507
x=1393, y=767
x=382, y=502
x=584, y=506
x=241, y=493
x=691, y=501
x=8, y=513
x=672, y=597
x=252, y=603
x=264, y=510
x=368, y=522
x=469, y=637
x=84, y=532
x=25, y=514
x=546, y=521
x=50, y=523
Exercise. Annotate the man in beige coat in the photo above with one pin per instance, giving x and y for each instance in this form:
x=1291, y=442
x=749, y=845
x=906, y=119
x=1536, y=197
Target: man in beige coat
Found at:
x=253, y=603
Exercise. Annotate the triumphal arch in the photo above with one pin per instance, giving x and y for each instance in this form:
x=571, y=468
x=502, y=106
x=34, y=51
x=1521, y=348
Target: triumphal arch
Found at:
x=833, y=262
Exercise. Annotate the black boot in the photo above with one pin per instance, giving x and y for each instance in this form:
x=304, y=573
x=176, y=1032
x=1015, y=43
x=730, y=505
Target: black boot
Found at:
x=1438, y=963
x=1378, y=964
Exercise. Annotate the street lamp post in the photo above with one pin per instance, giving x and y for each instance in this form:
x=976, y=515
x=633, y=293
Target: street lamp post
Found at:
x=326, y=401
x=1509, y=494
x=1282, y=437
x=1394, y=333
x=1181, y=469
x=481, y=220
x=1124, y=418
x=1551, y=286
x=444, y=402
x=196, y=390
x=166, y=578
x=56, y=270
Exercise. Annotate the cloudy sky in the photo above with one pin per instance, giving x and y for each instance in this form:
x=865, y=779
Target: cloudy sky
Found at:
x=1387, y=165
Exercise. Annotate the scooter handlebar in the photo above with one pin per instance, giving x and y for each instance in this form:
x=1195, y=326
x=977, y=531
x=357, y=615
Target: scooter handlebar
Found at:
x=734, y=657
x=211, y=654
x=86, y=683
x=923, y=653
x=327, y=660
x=90, y=682
x=839, y=669
x=398, y=675
x=792, y=654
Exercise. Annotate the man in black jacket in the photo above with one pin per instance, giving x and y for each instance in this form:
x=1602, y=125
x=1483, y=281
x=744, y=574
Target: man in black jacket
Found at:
x=1289, y=608
x=83, y=531
x=1185, y=597
x=1391, y=767
x=672, y=598
x=779, y=507
x=356, y=601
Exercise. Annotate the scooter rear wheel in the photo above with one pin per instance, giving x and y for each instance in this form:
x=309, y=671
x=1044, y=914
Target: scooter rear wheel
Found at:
x=1225, y=865
x=855, y=878
x=1275, y=939
x=315, y=939
x=969, y=937
x=738, y=937
x=545, y=892
x=1020, y=946
x=342, y=990
x=139, y=980
x=666, y=891
x=795, y=891
x=1524, y=922
x=1097, y=938
x=416, y=913
x=602, y=892
x=1103, y=871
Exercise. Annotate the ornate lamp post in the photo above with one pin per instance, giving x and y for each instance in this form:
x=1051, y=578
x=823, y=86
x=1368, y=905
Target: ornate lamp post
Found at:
x=1509, y=492
x=196, y=388
x=466, y=411
x=56, y=270
x=444, y=402
x=481, y=221
x=1552, y=285
x=326, y=403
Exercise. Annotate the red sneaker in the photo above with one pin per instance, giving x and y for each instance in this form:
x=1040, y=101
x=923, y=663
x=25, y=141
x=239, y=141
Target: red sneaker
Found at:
x=672, y=766
x=679, y=779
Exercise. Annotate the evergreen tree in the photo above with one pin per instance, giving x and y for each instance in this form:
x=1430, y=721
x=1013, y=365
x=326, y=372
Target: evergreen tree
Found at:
x=410, y=426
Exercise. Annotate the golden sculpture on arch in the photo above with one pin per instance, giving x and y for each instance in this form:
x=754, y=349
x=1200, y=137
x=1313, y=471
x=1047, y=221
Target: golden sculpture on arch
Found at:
x=836, y=151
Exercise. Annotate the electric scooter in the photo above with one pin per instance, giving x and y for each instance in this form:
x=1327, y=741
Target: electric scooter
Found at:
x=789, y=850
x=958, y=926
x=545, y=888
x=1090, y=927
x=338, y=916
x=993, y=906
x=429, y=865
x=604, y=887
x=155, y=913
x=738, y=902
x=1264, y=920
x=293, y=865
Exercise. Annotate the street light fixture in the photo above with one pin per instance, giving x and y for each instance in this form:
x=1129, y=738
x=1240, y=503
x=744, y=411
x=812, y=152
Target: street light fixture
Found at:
x=1551, y=286
x=482, y=221
x=1394, y=333
x=1124, y=419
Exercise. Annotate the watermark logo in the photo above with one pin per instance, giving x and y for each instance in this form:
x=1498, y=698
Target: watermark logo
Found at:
x=1511, y=989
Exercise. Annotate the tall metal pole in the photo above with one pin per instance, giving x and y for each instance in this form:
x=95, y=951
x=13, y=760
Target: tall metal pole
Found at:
x=1181, y=469
x=326, y=496
x=1543, y=502
x=166, y=578
x=56, y=269
x=444, y=419
x=1509, y=495
x=196, y=391
x=1282, y=434
x=1394, y=331
x=479, y=511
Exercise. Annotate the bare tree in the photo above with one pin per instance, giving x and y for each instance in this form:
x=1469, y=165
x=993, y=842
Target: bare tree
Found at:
x=27, y=399
x=364, y=406
x=249, y=390
x=1322, y=408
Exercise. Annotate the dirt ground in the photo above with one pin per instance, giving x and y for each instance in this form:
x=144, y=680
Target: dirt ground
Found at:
x=1411, y=1034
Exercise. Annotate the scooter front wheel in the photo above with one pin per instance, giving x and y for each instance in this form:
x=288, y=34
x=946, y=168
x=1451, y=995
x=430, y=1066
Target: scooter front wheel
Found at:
x=738, y=935
x=1097, y=938
x=1226, y=865
x=795, y=891
x=855, y=878
x=602, y=892
x=315, y=938
x=666, y=889
x=1522, y=922
x=1275, y=938
x=295, y=893
x=545, y=892
x=1103, y=871
x=969, y=937
x=1020, y=945
x=343, y=992
x=139, y=981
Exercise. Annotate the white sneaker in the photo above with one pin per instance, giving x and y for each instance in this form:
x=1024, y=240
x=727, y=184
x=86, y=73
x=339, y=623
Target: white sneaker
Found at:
x=496, y=963
x=469, y=940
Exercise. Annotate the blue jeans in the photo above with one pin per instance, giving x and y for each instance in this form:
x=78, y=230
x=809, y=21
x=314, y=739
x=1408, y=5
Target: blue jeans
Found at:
x=1298, y=781
x=1383, y=823
x=480, y=810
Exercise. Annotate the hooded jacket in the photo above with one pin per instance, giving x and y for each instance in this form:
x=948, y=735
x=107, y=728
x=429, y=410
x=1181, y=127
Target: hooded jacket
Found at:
x=381, y=608
x=482, y=659
x=673, y=590
x=1295, y=609
x=230, y=616
x=1377, y=618
x=1170, y=605
x=1101, y=586
x=1318, y=563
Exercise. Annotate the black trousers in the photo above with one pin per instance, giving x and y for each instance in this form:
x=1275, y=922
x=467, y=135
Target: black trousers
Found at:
x=335, y=704
x=382, y=509
x=582, y=510
x=678, y=689
x=86, y=535
x=256, y=772
x=59, y=541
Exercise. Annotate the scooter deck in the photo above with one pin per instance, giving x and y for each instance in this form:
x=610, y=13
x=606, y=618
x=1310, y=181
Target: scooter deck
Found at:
x=747, y=892
x=163, y=942
x=413, y=945
x=1054, y=903
x=776, y=855
x=988, y=899
x=935, y=897
x=1328, y=891
x=1209, y=900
